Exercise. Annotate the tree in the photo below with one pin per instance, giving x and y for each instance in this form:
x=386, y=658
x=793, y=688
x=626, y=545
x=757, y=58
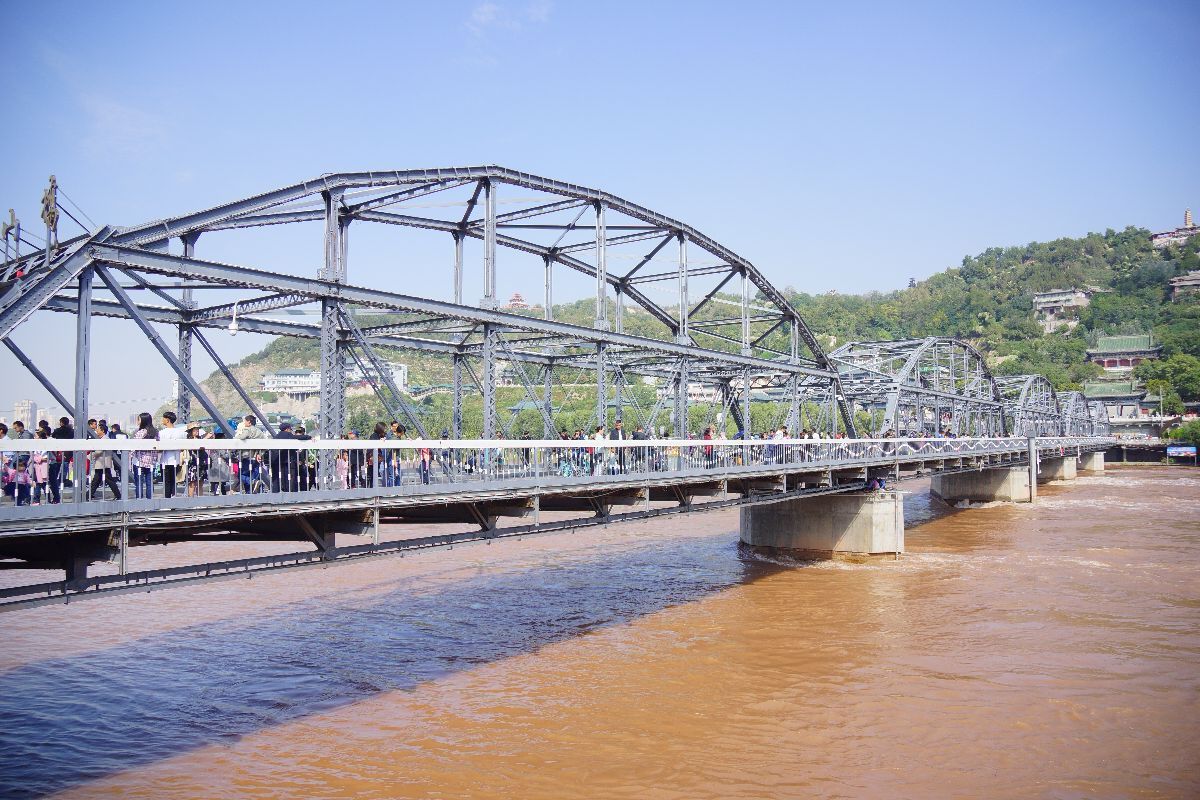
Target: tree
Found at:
x=1171, y=403
x=1188, y=432
x=1180, y=371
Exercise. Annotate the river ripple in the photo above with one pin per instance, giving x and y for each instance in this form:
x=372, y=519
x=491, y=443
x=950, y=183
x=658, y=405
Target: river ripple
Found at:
x=1016, y=651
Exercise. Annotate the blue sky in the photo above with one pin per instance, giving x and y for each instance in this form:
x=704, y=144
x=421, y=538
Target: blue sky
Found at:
x=837, y=146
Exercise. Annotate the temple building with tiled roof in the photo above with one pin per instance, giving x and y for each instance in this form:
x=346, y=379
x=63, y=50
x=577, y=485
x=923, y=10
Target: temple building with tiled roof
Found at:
x=1123, y=353
x=1122, y=399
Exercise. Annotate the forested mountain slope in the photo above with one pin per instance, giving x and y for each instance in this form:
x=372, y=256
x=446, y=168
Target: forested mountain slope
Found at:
x=988, y=301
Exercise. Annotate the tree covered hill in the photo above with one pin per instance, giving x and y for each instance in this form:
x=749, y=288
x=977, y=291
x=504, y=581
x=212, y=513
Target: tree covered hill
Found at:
x=987, y=301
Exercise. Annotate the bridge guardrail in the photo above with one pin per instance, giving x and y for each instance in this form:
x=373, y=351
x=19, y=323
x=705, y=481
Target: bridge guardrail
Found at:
x=138, y=470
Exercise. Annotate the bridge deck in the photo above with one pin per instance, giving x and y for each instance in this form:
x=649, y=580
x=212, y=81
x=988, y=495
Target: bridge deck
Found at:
x=685, y=474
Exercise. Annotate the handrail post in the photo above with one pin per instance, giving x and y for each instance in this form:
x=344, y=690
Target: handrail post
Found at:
x=125, y=476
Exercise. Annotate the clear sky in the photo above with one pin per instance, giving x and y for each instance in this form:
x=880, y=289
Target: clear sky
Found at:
x=837, y=146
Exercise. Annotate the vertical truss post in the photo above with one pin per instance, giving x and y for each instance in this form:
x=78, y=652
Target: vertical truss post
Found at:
x=183, y=403
x=833, y=414
x=488, y=381
x=601, y=272
x=83, y=354
x=458, y=268
x=682, y=335
x=619, y=320
x=681, y=401
x=746, y=313
x=456, y=402
x=793, y=411
x=333, y=365
x=489, y=245
x=601, y=385
x=795, y=338
x=548, y=398
x=891, y=412
x=549, y=287
x=746, y=402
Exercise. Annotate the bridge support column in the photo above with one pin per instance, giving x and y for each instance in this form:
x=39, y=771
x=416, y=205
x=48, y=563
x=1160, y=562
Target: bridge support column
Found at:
x=1006, y=485
x=1057, y=469
x=1092, y=462
x=829, y=526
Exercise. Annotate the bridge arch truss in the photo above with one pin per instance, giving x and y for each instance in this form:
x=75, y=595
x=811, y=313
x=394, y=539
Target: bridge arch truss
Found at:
x=1031, y=405
x=670, y=303
x=919, y=387
x=1081, y=417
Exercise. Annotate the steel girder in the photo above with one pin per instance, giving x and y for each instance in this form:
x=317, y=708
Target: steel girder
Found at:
x=337, y=200
x=1031, y=404
x=1099, y=418
x=1081, y=417
x=923, y=386
x=253, y=211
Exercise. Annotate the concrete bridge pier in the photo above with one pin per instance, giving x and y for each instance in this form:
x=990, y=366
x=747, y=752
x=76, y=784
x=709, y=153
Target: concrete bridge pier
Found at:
x=1005, y=485
x=1057, y=469
x=828, y=526
x=1092, y=462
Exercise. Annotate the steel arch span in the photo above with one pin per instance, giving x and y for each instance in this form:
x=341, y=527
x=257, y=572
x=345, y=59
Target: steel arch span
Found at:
x=922, y=387
x=1031, y=405
x=670, y=302
x=1081, y=417
x=1101, y=426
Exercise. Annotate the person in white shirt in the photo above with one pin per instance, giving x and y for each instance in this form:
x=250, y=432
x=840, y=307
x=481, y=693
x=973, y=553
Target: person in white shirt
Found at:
x=598, y=456
x=169, y=459
x=250, y=468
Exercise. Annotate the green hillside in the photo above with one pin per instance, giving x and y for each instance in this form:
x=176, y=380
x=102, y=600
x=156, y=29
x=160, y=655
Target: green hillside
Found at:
x=987, y=301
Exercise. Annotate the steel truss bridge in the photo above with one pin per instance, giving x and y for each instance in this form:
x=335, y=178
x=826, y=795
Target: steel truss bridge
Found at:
x=671, y=305
x=472, y=486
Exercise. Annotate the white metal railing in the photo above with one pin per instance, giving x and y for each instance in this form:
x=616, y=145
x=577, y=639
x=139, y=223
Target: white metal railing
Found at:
x=147, y=471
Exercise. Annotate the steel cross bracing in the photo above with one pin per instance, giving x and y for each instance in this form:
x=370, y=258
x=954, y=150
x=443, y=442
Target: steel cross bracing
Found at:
x=1082, y=418
x=715, y=323
x=584, y=230
x=923, y=386
x=1031, y=405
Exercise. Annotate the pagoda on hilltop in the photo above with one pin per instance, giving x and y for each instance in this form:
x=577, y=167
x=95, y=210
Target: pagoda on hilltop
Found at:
x=516, y=302
x=1179, y=235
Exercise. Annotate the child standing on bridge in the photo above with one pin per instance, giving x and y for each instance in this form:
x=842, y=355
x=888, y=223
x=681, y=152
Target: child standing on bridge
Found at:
x=40, y=470
x=19, y=478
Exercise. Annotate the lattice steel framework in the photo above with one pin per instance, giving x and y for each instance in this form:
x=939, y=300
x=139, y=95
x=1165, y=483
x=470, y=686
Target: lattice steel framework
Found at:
x=1076, y=416
x=1099, y=416
x=1081, y=417
x=150, y=274
x=1031, y=405
x=922, y=386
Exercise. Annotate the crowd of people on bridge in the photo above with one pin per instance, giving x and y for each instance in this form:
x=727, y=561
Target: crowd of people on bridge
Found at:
x=40, y=476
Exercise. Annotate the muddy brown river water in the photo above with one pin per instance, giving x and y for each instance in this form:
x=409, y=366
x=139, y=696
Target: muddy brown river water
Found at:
x=1045, y=651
